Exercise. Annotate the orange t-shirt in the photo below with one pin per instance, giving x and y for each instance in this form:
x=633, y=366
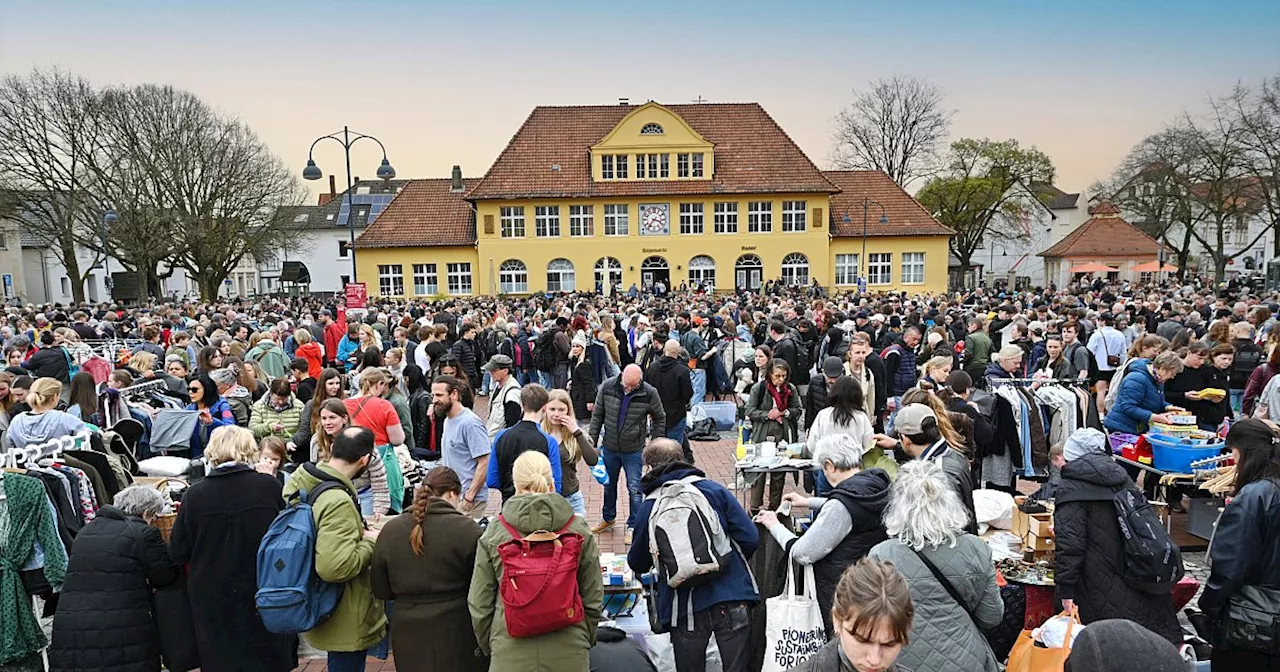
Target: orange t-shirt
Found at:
x=375, y=414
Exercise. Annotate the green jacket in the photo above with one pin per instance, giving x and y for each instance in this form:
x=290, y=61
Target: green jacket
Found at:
x=566, y=649
x=343, y=555
x=272, y=359
x=30, y=520
x=264, y=416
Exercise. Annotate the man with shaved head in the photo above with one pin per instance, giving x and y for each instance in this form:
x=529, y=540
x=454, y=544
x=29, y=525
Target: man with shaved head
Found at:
x=628, y=412
x=671, y=378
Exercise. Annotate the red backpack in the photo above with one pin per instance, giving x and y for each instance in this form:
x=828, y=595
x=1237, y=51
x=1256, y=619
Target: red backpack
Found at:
x=539, y=586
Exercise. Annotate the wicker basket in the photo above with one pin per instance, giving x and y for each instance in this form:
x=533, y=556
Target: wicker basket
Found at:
x=163, y=522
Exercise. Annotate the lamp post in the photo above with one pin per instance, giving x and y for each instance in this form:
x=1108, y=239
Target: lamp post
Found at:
x=884, y=219
x=109, y=219
x=312, y=172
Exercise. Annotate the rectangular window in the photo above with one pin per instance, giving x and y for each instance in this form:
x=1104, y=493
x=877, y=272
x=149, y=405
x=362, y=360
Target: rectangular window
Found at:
x=606, y=167
x=664, y=166
x=691, y=218
x=582, y=221
x=459, y=278
x=912, y=267
x=342, y=248
x=546, y=221
x=793, y=216
x=697, y=164
x=640, y=164
x=846, y=269
x=66, y=286
x=391, y=280
x=653, y=165
x=620, y=165
x=682, y=165
x=760, y=217
x=615, y=220
x=425, y=280
x=726, y=217
x=879, y=268
x=512, y=221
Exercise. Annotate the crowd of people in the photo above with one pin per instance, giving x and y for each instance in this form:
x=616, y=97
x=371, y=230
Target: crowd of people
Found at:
x=882, y=393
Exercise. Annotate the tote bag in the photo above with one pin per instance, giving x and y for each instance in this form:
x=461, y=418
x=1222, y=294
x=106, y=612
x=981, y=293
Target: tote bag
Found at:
x=793, y=624
x=1027, y=657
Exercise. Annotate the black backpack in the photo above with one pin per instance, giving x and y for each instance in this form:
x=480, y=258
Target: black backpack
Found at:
x=804, y=359
x=544, y=351
x=1152, y=562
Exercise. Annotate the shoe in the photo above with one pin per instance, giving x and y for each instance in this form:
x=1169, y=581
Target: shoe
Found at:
x=602, y=526
x=627, y=539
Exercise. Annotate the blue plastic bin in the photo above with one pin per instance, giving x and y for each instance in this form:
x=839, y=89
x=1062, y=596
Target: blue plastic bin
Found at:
x=724, y=413
x=1175, y=455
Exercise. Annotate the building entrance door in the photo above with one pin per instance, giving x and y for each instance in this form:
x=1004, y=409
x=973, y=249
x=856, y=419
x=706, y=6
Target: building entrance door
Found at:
x=748, y=273
x=654, y=270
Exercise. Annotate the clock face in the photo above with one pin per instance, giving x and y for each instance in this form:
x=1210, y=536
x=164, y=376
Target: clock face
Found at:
x=654, y=219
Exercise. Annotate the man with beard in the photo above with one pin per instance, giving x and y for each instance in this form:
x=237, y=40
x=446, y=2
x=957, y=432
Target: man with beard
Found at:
x=464, y=446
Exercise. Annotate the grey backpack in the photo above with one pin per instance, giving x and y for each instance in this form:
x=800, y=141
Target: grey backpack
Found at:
x=686, y=539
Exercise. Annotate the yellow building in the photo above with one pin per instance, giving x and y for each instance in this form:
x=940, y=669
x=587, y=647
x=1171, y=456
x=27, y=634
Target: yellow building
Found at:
x=704, y=194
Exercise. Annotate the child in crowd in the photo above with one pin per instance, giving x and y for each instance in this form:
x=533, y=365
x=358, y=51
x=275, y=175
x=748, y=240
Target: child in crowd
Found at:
x=271, y=457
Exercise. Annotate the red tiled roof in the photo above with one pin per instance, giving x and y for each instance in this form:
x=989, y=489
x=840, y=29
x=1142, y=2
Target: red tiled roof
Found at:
x=1105, y=235
x=906, y=216
x=424, y=213
x=752, y=155
x=1104, y=208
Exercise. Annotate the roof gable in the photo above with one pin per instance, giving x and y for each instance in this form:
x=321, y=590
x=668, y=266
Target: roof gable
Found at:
x=1105, y=234
x=906, y=216
x=426, y=213
x=630, y=132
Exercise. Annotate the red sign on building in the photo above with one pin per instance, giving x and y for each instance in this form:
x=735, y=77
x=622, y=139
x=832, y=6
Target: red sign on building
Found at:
x=357, y=296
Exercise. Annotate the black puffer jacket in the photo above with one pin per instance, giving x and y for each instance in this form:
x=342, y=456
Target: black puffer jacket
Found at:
x=864, y=495
x=1090, y=555
x=104, y=620
x=50, y=362
x=670, y=377
x=644, y=420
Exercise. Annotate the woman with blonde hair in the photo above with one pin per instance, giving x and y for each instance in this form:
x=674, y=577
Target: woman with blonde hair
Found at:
x=220, y=525
x=927, y=543
x=535, y=508
x=424, y=562
x=43, y=422
x=575, y=445
x=935, y=372
x=945, y=426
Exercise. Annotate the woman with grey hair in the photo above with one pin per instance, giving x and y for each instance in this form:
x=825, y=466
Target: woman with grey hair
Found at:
x=104, y=619
x=952, y=577
x=848, y=521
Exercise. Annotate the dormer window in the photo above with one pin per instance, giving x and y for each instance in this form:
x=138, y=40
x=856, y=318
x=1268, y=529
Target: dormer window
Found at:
x=651, y=129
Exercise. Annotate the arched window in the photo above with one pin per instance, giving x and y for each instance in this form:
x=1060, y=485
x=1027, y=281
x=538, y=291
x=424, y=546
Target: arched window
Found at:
x=795, y=269
x=560, y=276
x=748, y=273
x=608, y=273
x=651, y=129
x=702, y=272
x=513, y=277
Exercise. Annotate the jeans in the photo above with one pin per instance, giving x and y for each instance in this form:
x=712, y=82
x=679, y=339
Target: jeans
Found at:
x=730, y=622
x=677, y=431
x=896, y=402
x=486, y=382
x=545, y=379
x=579, y=504
x=613, y=463
x=366, y=501
x=821, y=486
x=346, y=661
x=525, y=377
x=1237, y=402
x=698, y=377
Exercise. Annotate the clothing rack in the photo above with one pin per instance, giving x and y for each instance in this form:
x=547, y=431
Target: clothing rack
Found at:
x=19, y=455
x=1027, y=382
x=143, y=389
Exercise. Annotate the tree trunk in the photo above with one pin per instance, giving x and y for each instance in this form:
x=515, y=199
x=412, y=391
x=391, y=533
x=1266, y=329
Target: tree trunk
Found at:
x=72, y=265
x=1219, y=268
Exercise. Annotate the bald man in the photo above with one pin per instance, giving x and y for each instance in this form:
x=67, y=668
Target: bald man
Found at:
x=670, y=376
x=628, y=412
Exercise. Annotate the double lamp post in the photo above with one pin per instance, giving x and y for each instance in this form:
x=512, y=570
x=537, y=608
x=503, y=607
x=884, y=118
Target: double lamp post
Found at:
x=347, y=138
x=862, y=260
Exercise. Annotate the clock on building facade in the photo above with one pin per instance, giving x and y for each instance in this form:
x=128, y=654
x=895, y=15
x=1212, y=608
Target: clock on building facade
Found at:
x=655, y=219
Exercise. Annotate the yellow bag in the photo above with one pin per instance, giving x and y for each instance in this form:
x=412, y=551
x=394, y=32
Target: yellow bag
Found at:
x=1027, y=657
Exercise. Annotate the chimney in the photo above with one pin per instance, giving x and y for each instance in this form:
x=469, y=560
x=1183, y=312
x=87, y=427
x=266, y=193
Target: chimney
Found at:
x=455, y=180
x=333, y=186
x=624, y=101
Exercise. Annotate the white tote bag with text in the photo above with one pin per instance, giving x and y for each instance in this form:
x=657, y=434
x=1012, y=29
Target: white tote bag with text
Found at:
x=793, y=624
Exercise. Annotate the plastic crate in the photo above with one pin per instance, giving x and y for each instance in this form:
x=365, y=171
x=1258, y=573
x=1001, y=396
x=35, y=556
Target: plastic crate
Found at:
x=1175, y=455
x=724, y=413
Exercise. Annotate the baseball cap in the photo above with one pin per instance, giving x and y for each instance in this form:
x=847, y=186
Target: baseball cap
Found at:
x=832, y=367
x=911, y=417
x=497, y=362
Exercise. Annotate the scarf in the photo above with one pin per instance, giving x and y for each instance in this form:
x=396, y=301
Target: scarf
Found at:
x=781, y=397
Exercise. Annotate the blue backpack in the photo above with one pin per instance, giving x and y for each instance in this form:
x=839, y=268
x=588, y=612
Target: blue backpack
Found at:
x=291, y=597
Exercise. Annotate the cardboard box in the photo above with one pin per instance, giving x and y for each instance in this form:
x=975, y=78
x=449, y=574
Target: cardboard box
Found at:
x=1039, y=525
x=1038, y=543
x=1021, y=524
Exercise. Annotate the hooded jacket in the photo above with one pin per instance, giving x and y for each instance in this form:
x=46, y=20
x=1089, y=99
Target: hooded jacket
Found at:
x=863, y=497
x=272, y=359
x=1140, y=396
x=1089, y=561
x=670, y=377
x=734, y=583
x=311, y=354
x=564, y=649
x=264, y=416
x=26, y=429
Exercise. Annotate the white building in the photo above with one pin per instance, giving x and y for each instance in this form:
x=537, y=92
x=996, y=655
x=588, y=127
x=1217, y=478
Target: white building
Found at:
x=1053, y=214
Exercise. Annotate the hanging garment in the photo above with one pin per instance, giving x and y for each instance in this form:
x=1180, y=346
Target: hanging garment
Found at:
x=171, y=430
x=24, y=518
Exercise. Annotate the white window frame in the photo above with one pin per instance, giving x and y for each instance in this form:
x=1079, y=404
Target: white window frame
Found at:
x=793, y=216
x=604, y=268
x=880, y=268
x=760, y=217
x=640, y=166
x=651, y=128
x=692, y=219
x=343, y=250
x=616, y=216
x=546, y=221
x=513, y=277
x=653, y=165
x=426, y=281
x=682, y=165
x=725, y=216
x=561, y=269
x=913, y=268
x=512, y=221
x=606, y=166
x=390, y=280
x=795, y=270
x=697, y=164
x=846, y=269
x=582, y=221
x=459, y=278
x=620, y=165
x=701, y=269
x=664, y=166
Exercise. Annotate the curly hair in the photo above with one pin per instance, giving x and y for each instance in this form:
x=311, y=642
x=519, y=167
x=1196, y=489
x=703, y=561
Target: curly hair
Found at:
x=924, y=510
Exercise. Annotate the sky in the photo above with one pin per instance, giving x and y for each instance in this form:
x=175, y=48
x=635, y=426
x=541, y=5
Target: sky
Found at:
x=444, y=83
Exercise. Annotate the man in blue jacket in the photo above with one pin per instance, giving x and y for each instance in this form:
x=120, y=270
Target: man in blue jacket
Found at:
x=720, y=605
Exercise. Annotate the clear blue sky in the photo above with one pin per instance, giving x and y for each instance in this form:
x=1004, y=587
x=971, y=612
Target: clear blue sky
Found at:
x=449, y=82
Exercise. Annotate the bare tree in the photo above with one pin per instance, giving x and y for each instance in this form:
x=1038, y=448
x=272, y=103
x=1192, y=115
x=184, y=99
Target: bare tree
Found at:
x=1258, y=113
x=899, y=125
x=1223, y=188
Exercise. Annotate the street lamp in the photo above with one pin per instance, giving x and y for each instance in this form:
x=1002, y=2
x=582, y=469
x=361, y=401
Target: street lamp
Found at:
x=313, y=172
x=884, y=219
x=109, y=219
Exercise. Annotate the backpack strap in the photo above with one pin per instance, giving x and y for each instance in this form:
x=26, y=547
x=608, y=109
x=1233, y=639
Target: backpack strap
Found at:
x=327, y=483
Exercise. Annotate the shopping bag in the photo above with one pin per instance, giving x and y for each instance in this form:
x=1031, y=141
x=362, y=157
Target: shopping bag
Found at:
x=1027, y=657
x=793, y=624
x=600, y=473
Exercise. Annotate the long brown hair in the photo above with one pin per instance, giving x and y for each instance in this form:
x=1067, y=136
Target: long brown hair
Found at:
x=324, y=442
x=435, y=485
x=568, y=444
x=6, y=402
x=956, y=440
x=320, y=396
